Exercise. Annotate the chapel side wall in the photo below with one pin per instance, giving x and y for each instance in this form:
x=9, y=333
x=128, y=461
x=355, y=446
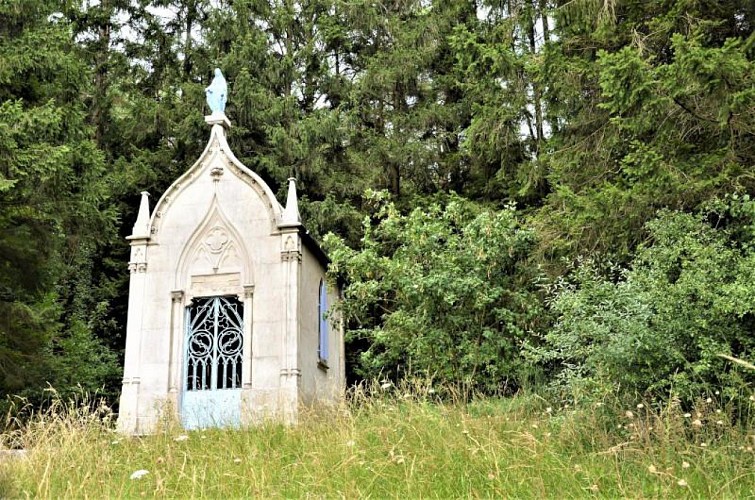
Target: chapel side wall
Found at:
x=317, y=384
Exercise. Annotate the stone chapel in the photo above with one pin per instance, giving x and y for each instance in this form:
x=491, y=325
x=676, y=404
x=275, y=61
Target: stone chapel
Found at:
x=228, y=311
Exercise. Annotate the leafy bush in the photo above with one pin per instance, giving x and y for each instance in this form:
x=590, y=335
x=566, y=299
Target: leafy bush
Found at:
x=663, y=324
x=442, y=292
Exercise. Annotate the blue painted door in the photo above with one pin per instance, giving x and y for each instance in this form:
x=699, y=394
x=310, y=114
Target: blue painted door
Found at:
x=213, y=358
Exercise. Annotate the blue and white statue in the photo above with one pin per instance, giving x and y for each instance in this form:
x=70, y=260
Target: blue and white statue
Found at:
x=217, y=93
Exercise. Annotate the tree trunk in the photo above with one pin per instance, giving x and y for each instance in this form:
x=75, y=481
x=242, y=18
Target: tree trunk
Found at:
x=536, y=92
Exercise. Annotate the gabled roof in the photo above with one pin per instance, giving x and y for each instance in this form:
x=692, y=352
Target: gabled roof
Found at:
x=217, y=144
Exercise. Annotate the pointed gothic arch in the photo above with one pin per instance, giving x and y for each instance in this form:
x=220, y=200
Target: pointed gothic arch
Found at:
x=215, y=259
x=216, y=153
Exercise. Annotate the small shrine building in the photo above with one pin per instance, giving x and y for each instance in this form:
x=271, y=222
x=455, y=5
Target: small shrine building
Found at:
x=228, y=312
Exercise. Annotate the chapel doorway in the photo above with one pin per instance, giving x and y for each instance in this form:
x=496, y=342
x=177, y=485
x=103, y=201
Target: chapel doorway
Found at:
x=213, y=357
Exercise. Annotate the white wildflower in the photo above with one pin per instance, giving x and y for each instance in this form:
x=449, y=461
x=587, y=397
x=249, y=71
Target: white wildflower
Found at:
x=139, y=474
x=182, y=437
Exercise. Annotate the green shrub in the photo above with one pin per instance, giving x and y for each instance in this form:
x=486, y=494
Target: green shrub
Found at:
x=442, y=292
x=661, y=326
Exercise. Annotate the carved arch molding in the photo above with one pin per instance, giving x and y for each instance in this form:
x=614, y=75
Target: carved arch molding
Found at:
x=215, y=260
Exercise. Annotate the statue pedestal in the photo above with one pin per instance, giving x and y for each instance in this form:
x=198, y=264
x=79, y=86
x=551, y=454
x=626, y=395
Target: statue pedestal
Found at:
x=218, y=118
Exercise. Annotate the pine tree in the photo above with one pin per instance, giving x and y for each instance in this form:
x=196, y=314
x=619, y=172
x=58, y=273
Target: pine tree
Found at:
x=501, y=58
x=53, y=185
x=654, y=106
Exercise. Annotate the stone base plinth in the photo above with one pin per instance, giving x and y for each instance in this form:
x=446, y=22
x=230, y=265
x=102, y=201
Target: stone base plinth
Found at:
x=218, y=119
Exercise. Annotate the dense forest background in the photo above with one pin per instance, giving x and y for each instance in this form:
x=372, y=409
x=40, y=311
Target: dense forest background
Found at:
x=517, y=193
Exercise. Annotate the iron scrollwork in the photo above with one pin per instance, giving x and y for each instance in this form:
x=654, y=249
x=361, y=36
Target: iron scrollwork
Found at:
x=215, y=341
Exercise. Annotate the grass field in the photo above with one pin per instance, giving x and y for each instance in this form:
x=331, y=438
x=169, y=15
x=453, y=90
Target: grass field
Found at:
x=397, y=445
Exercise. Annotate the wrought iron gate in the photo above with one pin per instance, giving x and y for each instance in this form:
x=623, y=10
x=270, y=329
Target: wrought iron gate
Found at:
x=213, y=361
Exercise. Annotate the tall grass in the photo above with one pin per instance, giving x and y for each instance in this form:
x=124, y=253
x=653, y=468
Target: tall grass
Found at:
x=396, y=445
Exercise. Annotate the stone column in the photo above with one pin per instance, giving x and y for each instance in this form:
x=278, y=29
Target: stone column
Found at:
x=290, y=373
x=246, y=365
x=175, y=360
x=128, y=415
x=129, y=403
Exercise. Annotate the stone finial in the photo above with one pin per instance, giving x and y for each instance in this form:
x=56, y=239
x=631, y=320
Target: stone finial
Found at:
x=291, y=215
x=141, y=226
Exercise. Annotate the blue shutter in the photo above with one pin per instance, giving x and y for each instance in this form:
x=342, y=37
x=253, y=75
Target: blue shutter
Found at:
x=322, y=309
